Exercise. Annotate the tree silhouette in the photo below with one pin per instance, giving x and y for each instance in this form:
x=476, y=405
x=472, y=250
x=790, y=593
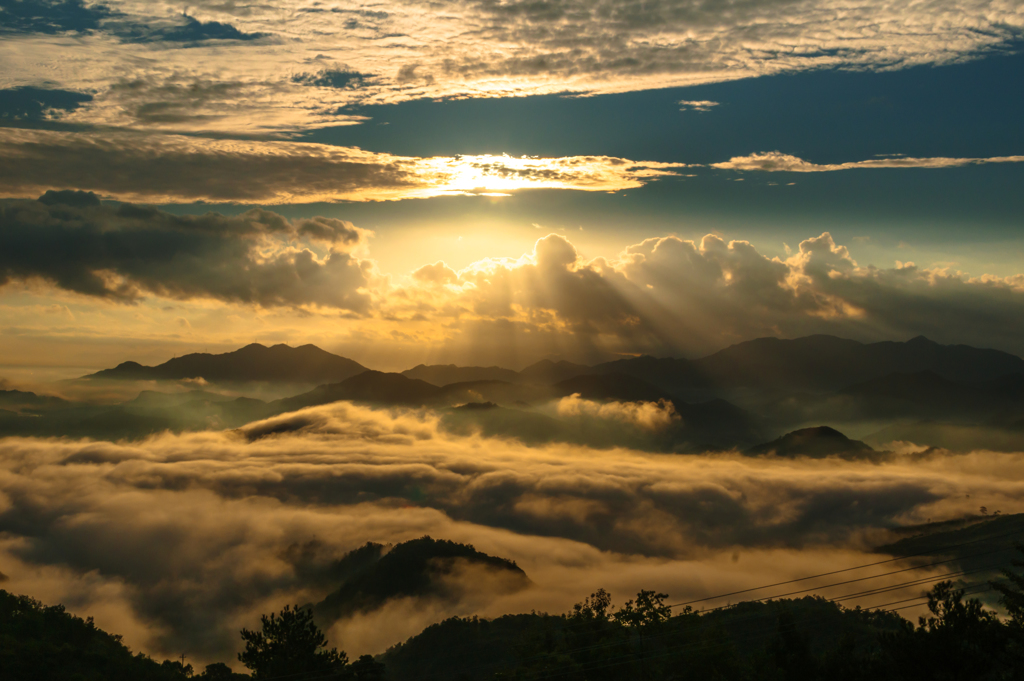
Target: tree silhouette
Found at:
x=1011, y=596
x=289, y=644
x=367, y=669
x=958, y=641
x=645, y=615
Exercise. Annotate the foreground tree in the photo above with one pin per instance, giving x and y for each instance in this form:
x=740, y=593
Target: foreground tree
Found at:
x=959, y=641
x=645, y=616
x=290, y=644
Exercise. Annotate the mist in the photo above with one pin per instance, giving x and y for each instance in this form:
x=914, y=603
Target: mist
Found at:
x=179, y=540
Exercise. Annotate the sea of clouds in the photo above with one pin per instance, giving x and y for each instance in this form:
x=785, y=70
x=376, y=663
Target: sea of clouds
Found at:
x=178, y=541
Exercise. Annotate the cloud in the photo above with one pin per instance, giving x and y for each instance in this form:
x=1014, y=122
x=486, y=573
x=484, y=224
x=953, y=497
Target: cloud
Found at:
x=124, y=252
x=185, y=539
x=697, y=105
x=775, y=161
x=652, y=416
x=190, y=31
x=335, y=78
x=664, y=296
x=479, y=49
x=669, y=296
x=180, y=169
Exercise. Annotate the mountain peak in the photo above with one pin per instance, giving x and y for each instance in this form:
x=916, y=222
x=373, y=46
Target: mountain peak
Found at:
x=253, y=362
x=815, y=442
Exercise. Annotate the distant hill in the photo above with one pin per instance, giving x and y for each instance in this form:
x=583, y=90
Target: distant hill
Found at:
x=816, y=442
x=666, y=373
x=501, y=392
x=612, y=386
x=422, y=568
x=923, y=394
x=446, y=374
x=254, y=362
x=985, y=543
x=546, y=372
x=830, y=363
x=20, y=400
x=375, y=387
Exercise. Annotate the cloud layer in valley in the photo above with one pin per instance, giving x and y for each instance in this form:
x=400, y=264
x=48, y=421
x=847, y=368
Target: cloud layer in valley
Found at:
x=184, y=539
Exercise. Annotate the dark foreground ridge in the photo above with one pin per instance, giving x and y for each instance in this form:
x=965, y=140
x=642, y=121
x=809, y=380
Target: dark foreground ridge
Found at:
x=808, y=638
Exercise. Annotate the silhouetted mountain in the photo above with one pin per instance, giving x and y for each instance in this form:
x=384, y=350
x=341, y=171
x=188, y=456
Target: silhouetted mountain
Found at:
x=374, y=387
x=830, y=363
x=19, y=400
x=717, y=424
x=445, y=374
x=526, y=426
x=546, y=372
x=45, y=642
x=672, y=375
x=922, y=393
x=255, y=362
x=814, y=442
x=611, y=386
x=976, y=542
x=421, y=568
x=499, y=392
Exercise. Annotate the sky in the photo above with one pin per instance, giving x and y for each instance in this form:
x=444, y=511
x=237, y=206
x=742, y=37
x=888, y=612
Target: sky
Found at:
x=499, y=182
x=485, y=182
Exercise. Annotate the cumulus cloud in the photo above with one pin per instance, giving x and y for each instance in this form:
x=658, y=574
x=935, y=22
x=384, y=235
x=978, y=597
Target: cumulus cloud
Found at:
x=180, y=169
x=123, y=252
x=662, y=296
x=669, y=296
x=181, y=540
x=776, y=161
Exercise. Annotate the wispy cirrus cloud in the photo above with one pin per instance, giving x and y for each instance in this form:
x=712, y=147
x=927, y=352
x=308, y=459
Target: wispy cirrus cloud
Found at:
x=776, y=161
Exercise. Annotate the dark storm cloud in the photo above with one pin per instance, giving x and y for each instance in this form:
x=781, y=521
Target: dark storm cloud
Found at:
x=126, y=251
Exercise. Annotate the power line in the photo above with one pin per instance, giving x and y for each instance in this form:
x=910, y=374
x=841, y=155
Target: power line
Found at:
x=849, y=569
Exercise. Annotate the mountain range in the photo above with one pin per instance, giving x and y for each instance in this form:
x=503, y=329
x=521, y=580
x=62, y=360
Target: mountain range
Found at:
x=820, y=363
x=741, y=397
